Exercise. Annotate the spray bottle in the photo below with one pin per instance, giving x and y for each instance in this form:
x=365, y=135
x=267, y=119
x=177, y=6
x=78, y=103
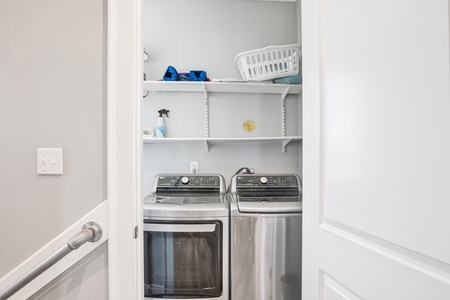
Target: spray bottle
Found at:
x=160, y=128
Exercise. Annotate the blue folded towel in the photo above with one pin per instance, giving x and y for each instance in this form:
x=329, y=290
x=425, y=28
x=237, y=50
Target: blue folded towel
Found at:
x=171, y=74
x=197, y=75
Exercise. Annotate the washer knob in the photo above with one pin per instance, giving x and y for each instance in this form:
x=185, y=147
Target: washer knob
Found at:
x=184, y=180
x=263, y=180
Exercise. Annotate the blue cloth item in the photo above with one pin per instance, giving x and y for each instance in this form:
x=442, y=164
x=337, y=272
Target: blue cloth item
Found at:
x=171, y=74
x=197, y=75
x=289, y=80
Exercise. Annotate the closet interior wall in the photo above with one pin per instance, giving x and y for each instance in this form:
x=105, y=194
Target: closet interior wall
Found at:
x=207, y=35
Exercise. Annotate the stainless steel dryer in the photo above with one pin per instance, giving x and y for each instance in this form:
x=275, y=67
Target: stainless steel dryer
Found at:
x=266, y=234
x=186, y=238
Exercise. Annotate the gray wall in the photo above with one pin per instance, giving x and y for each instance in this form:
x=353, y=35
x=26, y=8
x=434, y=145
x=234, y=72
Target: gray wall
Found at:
x=86, y=280
x=52, y=94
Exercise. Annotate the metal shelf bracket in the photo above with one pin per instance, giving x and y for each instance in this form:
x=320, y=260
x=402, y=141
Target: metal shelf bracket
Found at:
x=206, y=113
x=284, y=144
x=284, y=94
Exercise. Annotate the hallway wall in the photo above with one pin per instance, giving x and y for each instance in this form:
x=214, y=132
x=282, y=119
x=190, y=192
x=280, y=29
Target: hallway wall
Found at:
x=52, y=95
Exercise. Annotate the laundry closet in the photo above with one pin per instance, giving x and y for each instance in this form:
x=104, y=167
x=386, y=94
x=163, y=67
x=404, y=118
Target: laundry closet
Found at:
x=207, y=123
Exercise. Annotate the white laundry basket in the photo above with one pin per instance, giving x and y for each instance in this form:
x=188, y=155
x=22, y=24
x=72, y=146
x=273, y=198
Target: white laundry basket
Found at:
x=269, y=63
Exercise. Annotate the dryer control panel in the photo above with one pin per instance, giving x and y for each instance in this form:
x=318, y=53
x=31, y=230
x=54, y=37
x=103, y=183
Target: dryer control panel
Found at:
x=249, y=189
x=267, y=180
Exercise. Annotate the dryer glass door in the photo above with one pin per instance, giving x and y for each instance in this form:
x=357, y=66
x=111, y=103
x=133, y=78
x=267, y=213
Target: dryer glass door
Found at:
x=183, y=260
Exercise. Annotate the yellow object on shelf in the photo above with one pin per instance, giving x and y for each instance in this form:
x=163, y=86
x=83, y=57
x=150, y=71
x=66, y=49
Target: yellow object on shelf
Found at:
x=249, y=126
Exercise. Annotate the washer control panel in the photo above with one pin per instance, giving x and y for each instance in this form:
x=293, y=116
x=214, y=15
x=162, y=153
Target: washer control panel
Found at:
x=188, y=181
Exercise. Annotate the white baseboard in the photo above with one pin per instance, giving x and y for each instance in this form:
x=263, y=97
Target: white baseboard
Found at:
x=98, y=215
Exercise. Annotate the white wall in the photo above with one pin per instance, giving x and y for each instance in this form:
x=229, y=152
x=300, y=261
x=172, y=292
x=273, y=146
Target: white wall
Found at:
x=52, y=87
x=207, y=35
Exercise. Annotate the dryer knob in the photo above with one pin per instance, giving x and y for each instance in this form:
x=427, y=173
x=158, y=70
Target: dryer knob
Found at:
x=263, y=180
x=184, y=180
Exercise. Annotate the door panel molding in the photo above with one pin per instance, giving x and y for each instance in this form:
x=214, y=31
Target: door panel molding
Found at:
x=428, y=266
x=333, y=289
x=372, y=167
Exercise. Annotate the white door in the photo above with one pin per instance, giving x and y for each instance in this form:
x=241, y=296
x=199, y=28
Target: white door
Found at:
x=376, y=149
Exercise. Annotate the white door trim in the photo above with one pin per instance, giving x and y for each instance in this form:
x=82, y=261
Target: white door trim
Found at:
x=124, y=148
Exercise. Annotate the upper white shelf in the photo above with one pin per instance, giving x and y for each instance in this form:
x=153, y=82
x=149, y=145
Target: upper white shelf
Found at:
x=207, y=141
x=221, y=87
x=276, y=0
x=230, y=140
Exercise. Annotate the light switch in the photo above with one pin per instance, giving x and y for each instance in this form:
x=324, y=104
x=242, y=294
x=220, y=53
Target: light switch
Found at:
x=49, y=161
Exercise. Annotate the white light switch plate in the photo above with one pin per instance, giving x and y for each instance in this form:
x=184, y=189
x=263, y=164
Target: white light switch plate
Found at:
x=49, y=161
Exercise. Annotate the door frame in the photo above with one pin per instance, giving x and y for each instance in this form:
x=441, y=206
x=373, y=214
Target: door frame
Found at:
x=124, y=148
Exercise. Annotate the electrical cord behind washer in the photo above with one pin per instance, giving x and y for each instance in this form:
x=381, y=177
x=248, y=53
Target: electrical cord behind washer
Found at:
x=244, y=170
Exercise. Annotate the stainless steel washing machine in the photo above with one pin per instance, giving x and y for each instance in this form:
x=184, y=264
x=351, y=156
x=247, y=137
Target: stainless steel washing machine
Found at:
x=186, y=238
x=266, y=234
